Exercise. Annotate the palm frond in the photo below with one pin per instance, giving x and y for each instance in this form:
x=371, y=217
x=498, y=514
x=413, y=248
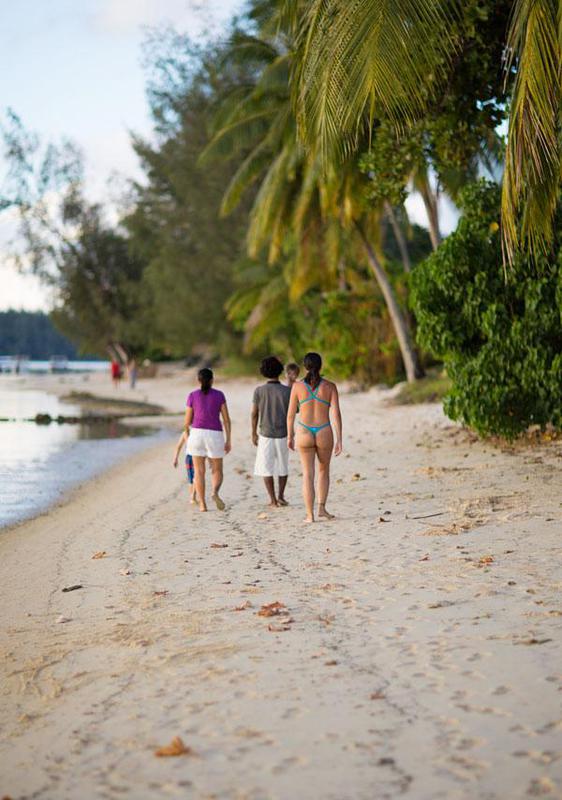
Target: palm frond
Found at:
x=359, y=56
x=532, y=165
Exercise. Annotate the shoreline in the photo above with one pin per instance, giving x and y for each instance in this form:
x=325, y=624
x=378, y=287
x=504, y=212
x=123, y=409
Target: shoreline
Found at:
x=422, y=656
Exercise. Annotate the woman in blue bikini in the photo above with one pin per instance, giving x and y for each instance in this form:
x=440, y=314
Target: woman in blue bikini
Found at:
x=313, y=398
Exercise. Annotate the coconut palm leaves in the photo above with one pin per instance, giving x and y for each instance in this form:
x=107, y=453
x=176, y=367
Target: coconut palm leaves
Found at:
x=361, y=58
x=533, y=157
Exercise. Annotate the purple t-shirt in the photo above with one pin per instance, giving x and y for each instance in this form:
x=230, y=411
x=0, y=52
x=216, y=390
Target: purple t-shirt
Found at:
x=206, y=409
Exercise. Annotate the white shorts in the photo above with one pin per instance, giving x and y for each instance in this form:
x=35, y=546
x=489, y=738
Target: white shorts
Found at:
x=203, y=442
x=272, y=458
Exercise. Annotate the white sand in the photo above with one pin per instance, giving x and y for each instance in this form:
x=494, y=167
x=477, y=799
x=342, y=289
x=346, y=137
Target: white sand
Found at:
x=414, y=666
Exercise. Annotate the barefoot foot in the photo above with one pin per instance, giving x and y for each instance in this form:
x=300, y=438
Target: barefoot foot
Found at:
x=309, y=520
x=282, y=502
x=324, y=514
x=202, y=507
x=218, y=502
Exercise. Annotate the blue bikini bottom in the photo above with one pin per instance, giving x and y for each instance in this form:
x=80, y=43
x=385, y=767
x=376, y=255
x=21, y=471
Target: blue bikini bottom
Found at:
x=314, y=428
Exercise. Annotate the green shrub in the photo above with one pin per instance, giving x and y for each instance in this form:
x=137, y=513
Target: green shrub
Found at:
x=498, y=332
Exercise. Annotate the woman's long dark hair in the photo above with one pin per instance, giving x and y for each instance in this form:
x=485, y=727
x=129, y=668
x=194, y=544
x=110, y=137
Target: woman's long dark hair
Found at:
x=313, y=365
x=205, y=377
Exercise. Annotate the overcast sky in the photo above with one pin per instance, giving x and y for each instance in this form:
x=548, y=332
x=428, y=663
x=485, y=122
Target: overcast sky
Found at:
x=72, y=68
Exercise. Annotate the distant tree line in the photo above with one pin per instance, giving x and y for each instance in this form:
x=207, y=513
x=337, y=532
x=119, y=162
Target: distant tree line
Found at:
x=33, y=334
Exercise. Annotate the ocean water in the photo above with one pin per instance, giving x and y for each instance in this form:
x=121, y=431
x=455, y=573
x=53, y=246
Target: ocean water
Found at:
x=38, y=463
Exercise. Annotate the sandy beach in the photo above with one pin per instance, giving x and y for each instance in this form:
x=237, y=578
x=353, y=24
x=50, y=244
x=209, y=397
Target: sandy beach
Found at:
x=417, y=652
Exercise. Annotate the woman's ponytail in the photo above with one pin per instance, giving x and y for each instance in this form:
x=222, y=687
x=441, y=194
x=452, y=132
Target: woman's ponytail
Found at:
x=313, y=365
x=205, y=377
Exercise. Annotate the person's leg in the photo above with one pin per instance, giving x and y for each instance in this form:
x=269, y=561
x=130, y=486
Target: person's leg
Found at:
x=217, y=476
x=270, y=489
x=307, y=453
x=281, y=493
x=199, y=465
x=324, y=447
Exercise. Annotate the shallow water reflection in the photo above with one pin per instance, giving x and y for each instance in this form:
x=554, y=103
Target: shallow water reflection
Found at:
x=39, y=462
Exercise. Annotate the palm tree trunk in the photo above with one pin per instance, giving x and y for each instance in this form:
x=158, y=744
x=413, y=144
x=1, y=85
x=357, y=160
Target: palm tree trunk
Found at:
x=429, y=198
x=414, y=369
x=399, y=236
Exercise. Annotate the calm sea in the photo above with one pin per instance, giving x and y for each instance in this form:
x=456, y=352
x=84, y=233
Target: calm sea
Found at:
x=38, y=463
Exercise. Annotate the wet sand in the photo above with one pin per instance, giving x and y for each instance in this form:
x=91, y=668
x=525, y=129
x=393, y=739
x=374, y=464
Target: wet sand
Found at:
x=417, y=652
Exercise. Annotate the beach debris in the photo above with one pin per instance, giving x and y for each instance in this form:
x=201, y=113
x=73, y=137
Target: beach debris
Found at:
x=243, y=607
x=272, y=609
x=175, y=748
x=356, y=476
x=378, y=695
x=427, y=516
x=124, y=571
x=218, y=545
x=284, y=625
x=100, y=554
x=160, y=593
x=72, y=588
x=331, y=663
x=382, y=519
x=62, y=619
x=483, y=560
x=533, y=640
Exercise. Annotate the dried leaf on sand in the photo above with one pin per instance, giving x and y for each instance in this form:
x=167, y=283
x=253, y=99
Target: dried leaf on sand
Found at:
x=175, y=748
x=100, y=554
x=271, y=609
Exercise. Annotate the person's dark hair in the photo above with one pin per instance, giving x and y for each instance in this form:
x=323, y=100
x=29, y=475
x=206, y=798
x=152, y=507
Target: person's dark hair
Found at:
x=313, y=364
x=292, y=367
x=205, y=377
x=271, y=367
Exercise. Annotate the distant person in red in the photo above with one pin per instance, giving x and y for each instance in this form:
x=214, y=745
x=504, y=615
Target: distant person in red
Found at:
x=115, y=372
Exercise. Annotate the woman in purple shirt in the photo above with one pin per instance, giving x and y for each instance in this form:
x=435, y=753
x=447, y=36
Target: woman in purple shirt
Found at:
x=205, y=407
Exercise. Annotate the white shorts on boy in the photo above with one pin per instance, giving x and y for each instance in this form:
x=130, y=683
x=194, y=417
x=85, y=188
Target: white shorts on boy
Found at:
x=204, y=442
x=272, y=458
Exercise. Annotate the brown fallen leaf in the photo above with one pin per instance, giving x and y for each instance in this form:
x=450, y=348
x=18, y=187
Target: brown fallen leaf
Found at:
x=271, y=609
x=217, y=545
x=100, y=554
x=175, y=748
x=243, y=607
x=331, y=663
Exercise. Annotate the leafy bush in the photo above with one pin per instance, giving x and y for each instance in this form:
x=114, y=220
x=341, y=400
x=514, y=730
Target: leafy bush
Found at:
x=498, y=332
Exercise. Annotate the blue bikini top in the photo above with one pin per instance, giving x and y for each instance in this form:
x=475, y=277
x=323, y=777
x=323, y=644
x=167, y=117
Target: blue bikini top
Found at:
x=313, y=395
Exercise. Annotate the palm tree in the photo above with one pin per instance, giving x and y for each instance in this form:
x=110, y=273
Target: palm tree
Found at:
x=361, y=58
x=298, y=201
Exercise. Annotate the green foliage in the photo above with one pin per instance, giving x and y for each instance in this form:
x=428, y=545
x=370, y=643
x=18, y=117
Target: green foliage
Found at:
x=175, y=225
x=499, y=334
